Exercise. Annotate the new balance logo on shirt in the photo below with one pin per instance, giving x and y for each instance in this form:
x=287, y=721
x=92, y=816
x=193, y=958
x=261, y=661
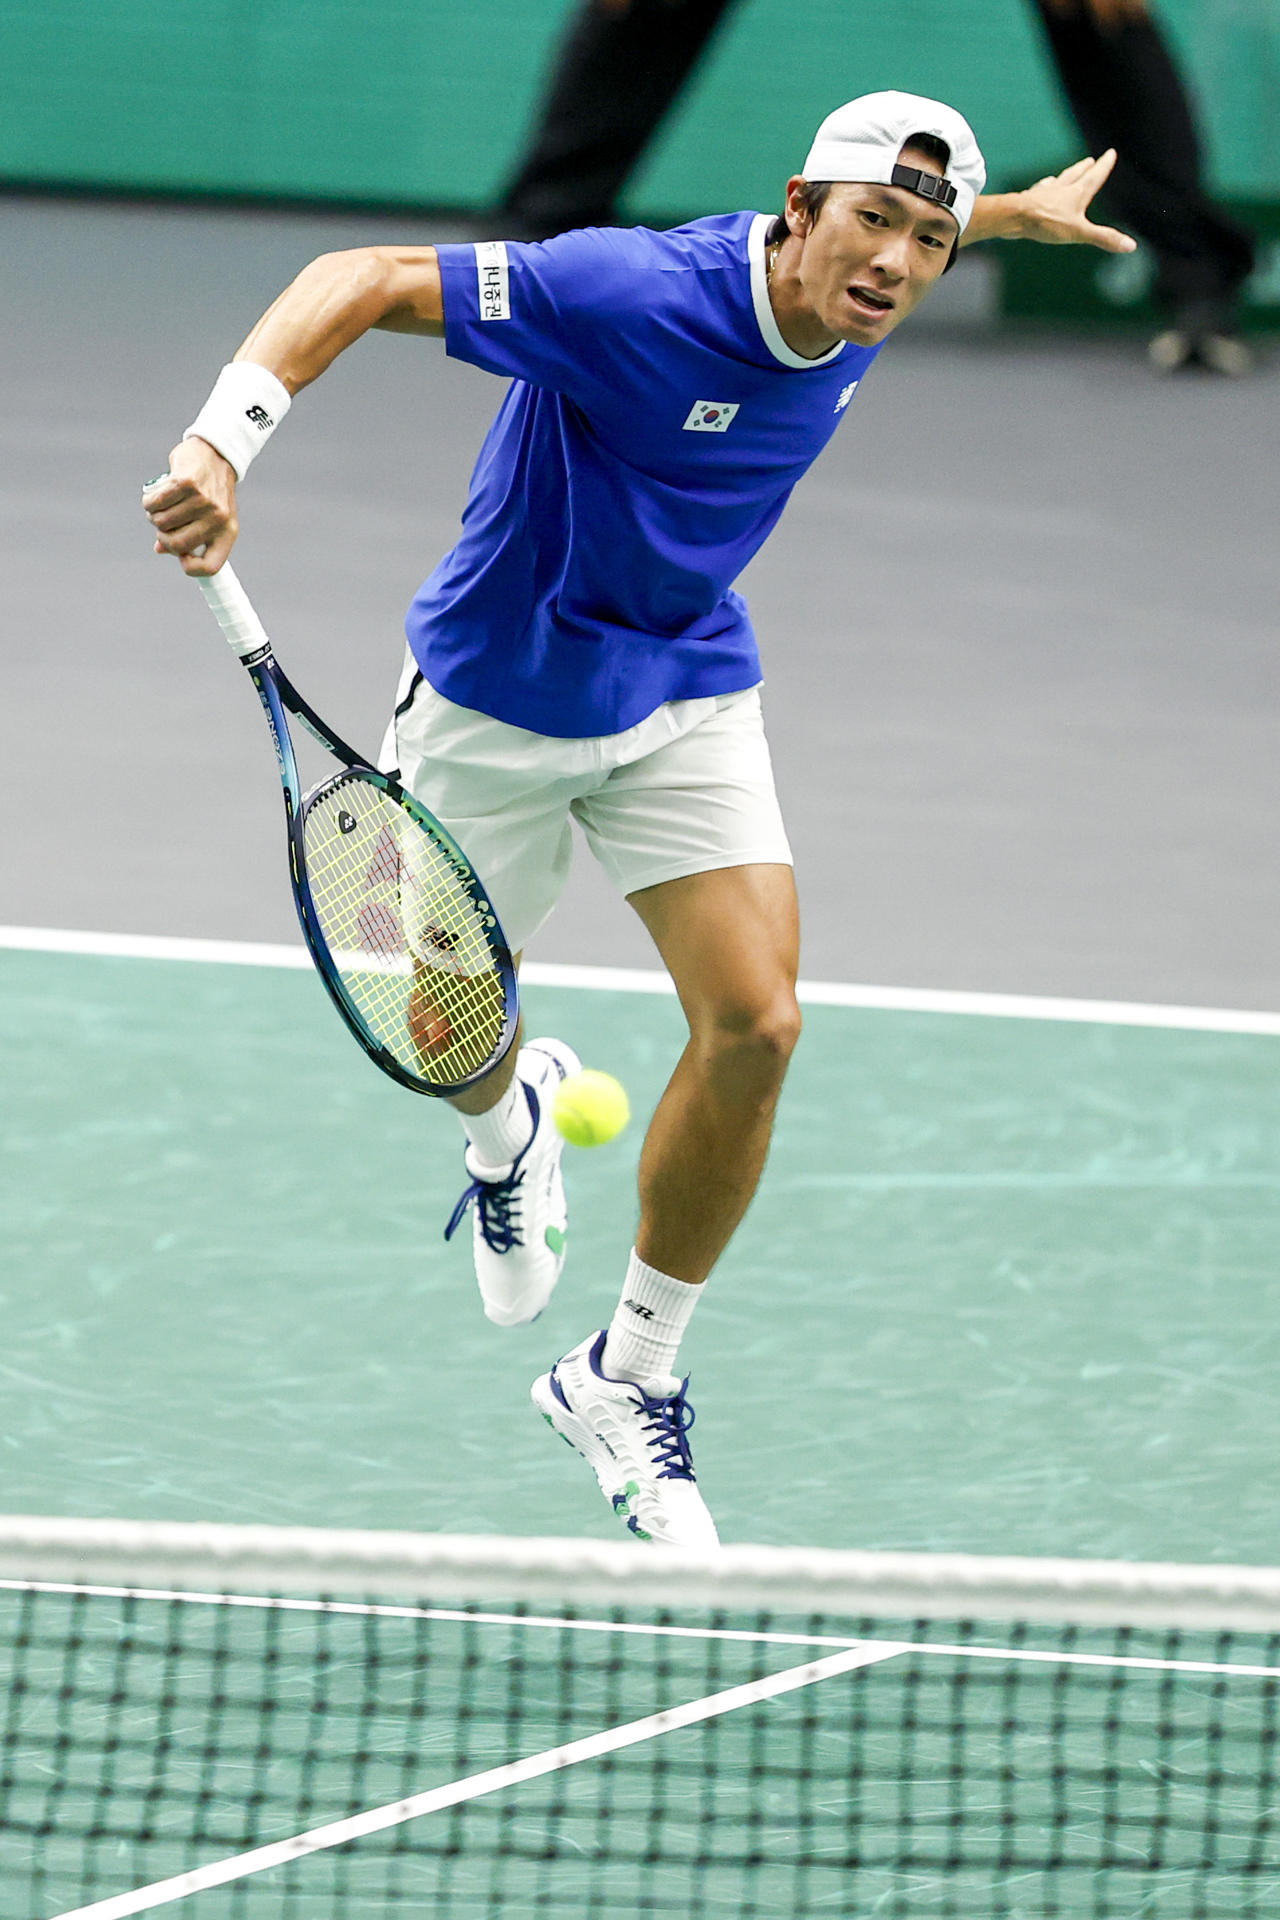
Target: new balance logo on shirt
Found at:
x=846, y=395
x=710, y=416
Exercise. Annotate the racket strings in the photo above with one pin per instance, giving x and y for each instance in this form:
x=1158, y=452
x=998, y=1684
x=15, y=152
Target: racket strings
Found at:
x=409, y=941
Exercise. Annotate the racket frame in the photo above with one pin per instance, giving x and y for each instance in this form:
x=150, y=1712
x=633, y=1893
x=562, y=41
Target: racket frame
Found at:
x=248, y=640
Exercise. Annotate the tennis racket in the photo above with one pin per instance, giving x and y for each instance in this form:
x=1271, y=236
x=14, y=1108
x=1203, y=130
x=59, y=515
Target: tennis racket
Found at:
x=397, y=921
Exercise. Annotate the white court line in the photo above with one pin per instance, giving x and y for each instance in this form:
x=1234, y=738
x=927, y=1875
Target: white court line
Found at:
x=368, y=1609
x=149, y=946
x=221, y=1872
x=814, y=993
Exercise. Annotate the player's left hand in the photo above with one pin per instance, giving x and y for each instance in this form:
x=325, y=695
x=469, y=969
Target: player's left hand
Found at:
x=1056, y=209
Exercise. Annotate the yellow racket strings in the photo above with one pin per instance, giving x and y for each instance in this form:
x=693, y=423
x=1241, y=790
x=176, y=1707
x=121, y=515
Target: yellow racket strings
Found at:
x=409, y=942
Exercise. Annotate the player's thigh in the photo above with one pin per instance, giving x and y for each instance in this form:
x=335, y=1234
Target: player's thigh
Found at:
x=730, y=940
x=691, y=792
x=691, y=832
x=503, y=793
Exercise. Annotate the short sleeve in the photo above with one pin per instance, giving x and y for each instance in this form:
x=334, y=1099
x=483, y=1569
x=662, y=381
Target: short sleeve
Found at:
x=537, y=311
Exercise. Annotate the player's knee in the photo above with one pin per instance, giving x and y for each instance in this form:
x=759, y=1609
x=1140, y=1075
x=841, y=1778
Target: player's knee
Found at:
x=777, y=1031
x=758, y=1038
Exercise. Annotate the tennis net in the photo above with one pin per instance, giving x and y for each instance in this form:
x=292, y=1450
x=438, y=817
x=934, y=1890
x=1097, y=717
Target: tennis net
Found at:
x=284, y=1722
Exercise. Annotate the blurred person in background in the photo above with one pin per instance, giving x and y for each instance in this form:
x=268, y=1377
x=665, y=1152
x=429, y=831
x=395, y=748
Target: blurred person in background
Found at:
x=1125, y=92
x=618, y=72
x=623, y=63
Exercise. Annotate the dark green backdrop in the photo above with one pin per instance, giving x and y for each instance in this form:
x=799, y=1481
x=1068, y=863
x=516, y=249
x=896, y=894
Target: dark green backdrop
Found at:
x=423, y=104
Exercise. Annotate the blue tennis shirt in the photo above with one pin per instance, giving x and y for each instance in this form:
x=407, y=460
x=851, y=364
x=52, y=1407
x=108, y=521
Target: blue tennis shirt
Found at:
x=655, y=426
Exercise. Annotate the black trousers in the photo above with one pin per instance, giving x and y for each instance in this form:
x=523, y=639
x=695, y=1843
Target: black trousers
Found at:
x=616, y=76
x=618, y=73
x=1125, y=92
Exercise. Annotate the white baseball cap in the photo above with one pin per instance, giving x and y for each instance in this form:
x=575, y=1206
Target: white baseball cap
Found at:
x=862, y=141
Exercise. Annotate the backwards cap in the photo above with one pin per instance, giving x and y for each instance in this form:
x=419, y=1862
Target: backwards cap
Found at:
x=862, y=140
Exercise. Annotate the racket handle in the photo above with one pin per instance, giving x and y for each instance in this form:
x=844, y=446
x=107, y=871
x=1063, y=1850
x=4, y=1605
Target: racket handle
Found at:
x=228, y=601
x=231, y=608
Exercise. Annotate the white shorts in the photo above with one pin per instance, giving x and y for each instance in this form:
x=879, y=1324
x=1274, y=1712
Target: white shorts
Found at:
x=688, y=790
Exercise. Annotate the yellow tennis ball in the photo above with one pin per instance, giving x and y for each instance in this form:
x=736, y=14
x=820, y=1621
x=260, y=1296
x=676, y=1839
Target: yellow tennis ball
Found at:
x=591, y=1108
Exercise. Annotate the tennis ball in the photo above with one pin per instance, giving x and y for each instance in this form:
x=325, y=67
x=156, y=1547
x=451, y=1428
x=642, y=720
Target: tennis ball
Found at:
x=590, y=1108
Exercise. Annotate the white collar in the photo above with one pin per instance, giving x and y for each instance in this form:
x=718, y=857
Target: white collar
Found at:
x=765, y=316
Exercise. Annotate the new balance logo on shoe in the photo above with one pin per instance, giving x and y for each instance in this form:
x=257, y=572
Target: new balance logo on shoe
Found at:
x=646, y=1313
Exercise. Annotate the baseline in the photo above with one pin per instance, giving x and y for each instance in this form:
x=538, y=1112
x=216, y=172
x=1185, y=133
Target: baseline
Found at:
x=814, y=993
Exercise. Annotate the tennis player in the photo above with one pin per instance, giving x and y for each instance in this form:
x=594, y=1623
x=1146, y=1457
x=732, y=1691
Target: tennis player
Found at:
x=581, y=655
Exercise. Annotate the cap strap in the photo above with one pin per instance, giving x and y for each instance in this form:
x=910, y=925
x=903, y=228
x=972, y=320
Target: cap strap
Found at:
x=930, y=186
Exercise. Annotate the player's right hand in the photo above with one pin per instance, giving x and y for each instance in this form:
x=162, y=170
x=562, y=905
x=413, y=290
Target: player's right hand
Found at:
x=193, y=507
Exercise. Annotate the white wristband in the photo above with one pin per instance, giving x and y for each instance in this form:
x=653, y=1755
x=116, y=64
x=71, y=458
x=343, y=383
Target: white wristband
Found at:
x=241, y=414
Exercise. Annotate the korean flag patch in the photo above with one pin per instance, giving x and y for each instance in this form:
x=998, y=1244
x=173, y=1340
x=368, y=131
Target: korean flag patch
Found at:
x=710, y=416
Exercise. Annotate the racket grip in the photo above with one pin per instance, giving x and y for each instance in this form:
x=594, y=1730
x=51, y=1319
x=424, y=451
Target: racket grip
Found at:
x=231, y=608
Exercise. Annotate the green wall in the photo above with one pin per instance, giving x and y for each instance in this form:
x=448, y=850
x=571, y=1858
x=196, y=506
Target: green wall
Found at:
x=414, y=101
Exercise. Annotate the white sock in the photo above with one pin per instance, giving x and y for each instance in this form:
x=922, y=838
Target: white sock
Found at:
x=648, y=1322
x=501, y=1133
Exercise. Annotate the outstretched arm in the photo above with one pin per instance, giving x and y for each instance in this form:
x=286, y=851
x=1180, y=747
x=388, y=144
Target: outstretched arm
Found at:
x=1055, y=210
x=331, y=303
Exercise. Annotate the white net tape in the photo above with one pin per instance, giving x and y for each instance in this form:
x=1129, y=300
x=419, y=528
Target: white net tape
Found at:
x=944, y=1586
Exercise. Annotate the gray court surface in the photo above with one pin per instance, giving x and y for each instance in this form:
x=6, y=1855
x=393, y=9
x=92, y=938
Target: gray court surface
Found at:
x=1018, y=626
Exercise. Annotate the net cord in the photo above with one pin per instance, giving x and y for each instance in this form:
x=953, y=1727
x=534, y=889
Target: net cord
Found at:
x=302, y=1560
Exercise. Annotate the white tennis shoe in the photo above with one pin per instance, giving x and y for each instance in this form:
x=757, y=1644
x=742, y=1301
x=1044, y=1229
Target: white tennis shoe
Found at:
x=636, y=1441
x=520, y=1224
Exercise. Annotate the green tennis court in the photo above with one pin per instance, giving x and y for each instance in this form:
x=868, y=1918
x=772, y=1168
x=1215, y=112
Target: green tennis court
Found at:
x=1010, y=1285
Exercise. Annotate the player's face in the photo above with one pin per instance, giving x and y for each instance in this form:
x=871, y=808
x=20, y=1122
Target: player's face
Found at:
x=871, y=256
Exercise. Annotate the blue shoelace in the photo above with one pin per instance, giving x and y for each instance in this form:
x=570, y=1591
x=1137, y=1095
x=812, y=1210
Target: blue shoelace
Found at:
x=497, y=1202
x=669, y=1421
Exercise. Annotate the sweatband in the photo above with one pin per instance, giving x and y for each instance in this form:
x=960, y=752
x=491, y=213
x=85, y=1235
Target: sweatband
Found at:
x=241, y=414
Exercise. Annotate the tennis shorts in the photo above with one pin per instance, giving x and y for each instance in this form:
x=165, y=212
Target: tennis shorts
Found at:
x=688, y=790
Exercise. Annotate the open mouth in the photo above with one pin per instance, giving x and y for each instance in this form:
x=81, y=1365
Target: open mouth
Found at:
x=874, y=305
